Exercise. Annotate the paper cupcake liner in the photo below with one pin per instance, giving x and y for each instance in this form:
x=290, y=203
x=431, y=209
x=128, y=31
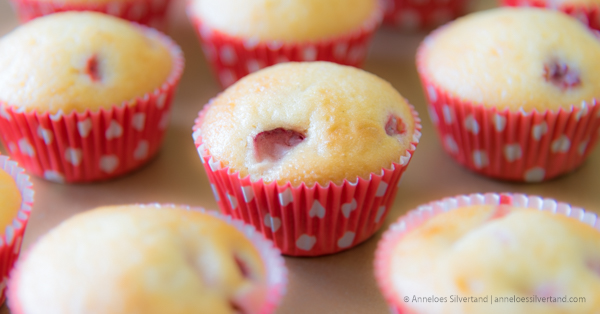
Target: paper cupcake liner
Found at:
x=233, y=58
x=422, y=14
x=10, y=241
x=147, y=12
x=270, y=255
x=94, y=145
x=588, y=14
x=417, y=217
x=512, y=145
x=307, y=221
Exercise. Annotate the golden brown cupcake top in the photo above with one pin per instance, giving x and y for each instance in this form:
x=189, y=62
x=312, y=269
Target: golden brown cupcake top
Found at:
x=141, y=260
x=515, y=58
x=499, y=252
x=76, y=61
x=10, y=199
x=285, y=20
x=308, y=122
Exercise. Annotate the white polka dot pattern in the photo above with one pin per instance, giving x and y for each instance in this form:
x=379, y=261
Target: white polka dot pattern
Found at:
x=145, y=12
x=346, y=240
x=90, y=146
x=519, y=146
x=317, y=210
x=306, y=242
x=306, y=221
x=233, y=58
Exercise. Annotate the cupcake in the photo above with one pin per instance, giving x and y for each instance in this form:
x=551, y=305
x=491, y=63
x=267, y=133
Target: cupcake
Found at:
x=241, y=37
x=151, y=13
x=513, y=92
x=85, y=96
x=16, y=200
x=148, y=259
x=492, y=254
x=587, y=11
x=309, y=153
x=412, y=15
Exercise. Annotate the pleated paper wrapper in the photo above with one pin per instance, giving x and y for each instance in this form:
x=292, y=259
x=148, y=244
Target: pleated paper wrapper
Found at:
x=276, y=272
x=417, y=217
x=233, y=58
x=308, y=221
x=11, y=239
x=92, y=146
x=415, y=15
x=512, y=145
x=151, y=13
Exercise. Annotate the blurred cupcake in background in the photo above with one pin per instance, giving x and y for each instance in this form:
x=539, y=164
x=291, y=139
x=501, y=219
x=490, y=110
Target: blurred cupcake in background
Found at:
x=587, y=11
x=513, y=92
x=411, y=15
x=85, y=96
x=150, y=259
x=242, y=36
x=151, y=13
x=491, y=253
x=16, y=200
x=310, y=153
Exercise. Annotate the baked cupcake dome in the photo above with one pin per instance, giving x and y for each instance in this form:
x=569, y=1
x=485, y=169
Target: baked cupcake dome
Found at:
x=49, y=65
x=146, y=12
x=16, y=202
x=147, y=259
x=308, y=123
x=515, y=58
x=535, y=248
x=241, y=37
x=586, y=11
x=10, y=199
x=309, y=153
x=286, y=21
x=513, y=91
x=79, y=99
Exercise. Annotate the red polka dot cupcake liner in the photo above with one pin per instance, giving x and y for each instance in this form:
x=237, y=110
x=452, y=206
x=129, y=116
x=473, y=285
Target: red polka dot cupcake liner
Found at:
x=93, y=145
x=151, y=13
x=421, y=14
x=307, y=221
x=276, y=272
x=588, y=14
x=10, y=241
x=415, y=218
x=233, y=58
x=512, y=145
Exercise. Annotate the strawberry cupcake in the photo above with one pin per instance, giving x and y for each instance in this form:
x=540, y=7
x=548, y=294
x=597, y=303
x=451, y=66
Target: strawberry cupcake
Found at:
x=309, y=153
x=151, y=13
x=513, y=92
x=149, y=259
x=541, y=256
x=244, y=36
x=85, y=96
x=586, y=11
x=16, y=200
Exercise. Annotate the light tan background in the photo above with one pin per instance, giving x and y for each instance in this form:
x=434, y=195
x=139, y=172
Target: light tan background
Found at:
x=341, y=283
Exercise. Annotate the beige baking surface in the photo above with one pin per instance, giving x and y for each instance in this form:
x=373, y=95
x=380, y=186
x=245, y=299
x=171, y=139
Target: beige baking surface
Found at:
x=341, y=283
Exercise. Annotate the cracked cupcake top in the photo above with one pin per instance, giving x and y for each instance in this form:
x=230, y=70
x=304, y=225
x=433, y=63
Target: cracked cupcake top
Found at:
x=499, y=251
x=515, y=58
x=290, y=20
x=150, y=260
x=308, y=122
x=79, y=60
